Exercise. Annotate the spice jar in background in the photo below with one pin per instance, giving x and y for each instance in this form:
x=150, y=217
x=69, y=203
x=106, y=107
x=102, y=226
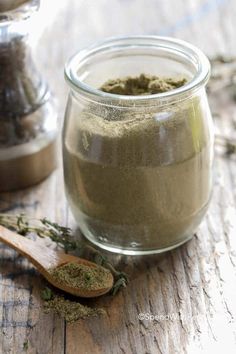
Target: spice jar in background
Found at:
x=28, y=120
x=138, y=169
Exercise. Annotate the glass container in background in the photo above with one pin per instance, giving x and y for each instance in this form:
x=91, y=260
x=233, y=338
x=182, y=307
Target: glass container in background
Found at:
x=138, y=169
x=28, y=120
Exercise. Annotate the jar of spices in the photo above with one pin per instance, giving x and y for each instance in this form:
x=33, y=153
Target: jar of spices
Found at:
x=138, y=143
x=28, y=120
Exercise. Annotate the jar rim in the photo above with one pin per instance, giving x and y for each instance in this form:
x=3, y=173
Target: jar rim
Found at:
x=179, y=46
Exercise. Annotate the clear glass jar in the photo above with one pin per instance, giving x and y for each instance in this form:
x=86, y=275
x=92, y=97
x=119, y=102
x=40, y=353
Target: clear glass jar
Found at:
x=28, y=119
x=138, y=168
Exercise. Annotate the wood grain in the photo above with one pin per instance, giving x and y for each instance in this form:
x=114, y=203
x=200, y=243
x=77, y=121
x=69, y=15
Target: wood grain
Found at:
x=193, y=288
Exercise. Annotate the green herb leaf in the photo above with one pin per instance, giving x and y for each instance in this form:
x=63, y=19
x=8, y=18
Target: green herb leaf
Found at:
x=26, y=345
x=46, y=294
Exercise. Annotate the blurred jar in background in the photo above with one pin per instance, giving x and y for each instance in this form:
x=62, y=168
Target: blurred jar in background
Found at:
x=28, y=120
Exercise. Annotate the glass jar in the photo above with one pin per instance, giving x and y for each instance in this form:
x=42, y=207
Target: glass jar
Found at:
x=138, y=169
x=28, y=120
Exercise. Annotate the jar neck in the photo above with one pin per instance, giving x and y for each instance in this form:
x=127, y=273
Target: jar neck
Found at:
x=148, y=107
x=128, y=56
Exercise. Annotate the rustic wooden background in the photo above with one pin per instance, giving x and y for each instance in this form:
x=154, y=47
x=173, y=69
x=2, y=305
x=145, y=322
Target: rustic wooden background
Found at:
x=195, y=284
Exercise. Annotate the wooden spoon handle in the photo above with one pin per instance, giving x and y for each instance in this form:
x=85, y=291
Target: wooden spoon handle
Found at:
x=41, y=256
x=44, y=258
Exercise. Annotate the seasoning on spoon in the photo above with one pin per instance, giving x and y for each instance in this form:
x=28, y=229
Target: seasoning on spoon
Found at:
x=81, y=276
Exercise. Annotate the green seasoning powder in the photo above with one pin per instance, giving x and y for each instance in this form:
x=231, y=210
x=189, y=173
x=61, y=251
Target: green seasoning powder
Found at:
x=141, y=85
x=71, y=311
x=81, y=276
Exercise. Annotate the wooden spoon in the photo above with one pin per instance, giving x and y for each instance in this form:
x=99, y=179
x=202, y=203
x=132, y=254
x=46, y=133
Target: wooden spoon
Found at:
x=45, y=259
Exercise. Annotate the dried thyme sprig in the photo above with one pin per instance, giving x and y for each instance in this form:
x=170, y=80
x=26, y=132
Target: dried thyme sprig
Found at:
x=223, y=74
x=62, y=236
x=227, y=143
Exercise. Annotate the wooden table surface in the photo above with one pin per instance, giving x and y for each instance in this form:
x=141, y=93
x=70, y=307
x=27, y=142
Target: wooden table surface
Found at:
x=193, y=287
